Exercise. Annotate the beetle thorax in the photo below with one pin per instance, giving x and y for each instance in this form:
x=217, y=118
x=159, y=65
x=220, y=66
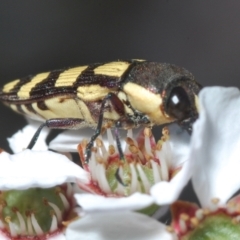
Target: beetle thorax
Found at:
x=146, y=102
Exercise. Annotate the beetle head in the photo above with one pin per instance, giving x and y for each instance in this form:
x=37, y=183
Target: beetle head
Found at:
x=163, y=93
x=180, y=101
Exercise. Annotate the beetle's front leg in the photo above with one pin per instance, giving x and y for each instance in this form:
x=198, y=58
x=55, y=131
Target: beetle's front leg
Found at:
x=117, y=105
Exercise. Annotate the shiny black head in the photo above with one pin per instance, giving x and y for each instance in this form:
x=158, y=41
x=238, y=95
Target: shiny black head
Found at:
x=181, y=100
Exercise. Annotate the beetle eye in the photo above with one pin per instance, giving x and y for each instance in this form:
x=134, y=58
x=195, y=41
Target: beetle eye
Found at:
x=178, y=104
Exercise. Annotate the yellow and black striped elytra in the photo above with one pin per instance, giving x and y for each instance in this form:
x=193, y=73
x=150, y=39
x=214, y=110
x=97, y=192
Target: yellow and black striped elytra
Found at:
x=124, y=94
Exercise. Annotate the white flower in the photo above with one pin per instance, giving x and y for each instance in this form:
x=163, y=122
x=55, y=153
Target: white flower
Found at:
x=215, y=145
x=215, y=154
x=42, y=169
x=36, y=193
x=20, y=140
x=45, y=169
x=169, y=178
x=118, y=225
x=166, y=192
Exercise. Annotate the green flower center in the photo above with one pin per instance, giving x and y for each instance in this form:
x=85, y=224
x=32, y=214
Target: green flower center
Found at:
x=216, y=227
x=145, y=163
x=35, y=211
x=214, y=223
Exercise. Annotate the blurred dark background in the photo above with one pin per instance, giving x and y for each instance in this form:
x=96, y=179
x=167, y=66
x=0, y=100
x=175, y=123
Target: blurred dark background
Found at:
x=36, y=36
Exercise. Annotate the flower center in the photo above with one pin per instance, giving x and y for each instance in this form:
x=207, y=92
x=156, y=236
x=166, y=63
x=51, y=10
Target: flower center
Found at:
x=145, y=163
x=35, y=212
x=219, y=222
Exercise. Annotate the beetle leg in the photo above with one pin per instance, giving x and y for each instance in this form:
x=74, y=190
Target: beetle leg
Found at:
x=132, y=122
x=57, y=123
x=118, y=107
x=35, y=136
x=121, y=156
x=119, y=147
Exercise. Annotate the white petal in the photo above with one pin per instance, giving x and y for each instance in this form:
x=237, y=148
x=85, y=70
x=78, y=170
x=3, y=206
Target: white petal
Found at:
x=167, y=192
x=216, y=145
x=180, y=145
x=68, y=141
x=3, y=237
x=58, y=237
x=20, y=140
x=117, y=226
x=97, y=203
x=160, y=212
x=38, y=169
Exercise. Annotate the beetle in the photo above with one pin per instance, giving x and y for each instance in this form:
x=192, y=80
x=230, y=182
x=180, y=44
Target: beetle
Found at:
x=121, y=94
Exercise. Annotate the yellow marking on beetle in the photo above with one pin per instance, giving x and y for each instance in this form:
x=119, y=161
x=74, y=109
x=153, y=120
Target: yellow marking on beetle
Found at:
x=122, y=96
x=24, y=91
x=31, y=114
x=112, y=115
x=146, y=102
x=197, y=104
x=115, y=69
x=92, y=92
x=9, y=86
x=14, y=108
x=86, y=113
x=68, y=77
x=27, y=113
x=59, y=108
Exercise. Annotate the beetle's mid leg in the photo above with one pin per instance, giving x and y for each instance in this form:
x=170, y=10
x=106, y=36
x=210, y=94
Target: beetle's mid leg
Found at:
x=121, y=156
x=117, y=106
x=56, y=123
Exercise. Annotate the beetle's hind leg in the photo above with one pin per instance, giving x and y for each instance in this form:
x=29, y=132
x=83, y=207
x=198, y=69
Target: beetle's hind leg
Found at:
x=57, y=123
x=75, y=123
x=35, y=136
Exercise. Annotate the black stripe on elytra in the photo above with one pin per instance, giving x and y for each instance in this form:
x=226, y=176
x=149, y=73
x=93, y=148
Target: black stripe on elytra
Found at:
x=22, y=82
x=47, y=85
x=30, y=108
x=125, y=75
x=12, y=96
x=88, y=77
x=42, y=105
x=19, y=109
